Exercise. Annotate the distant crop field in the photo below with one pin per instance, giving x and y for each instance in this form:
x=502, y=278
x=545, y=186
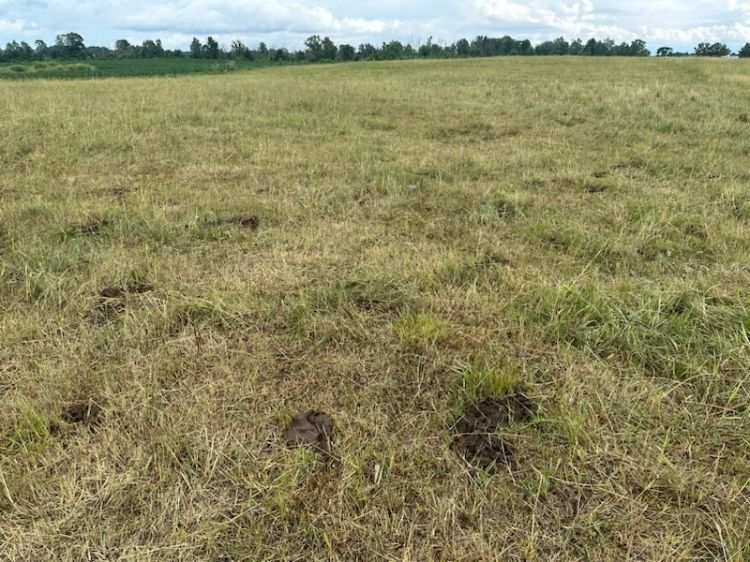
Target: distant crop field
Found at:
x=120, y=68
x=428, y=310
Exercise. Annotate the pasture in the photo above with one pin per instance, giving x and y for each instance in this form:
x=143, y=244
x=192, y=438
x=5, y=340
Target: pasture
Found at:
x=520, y=288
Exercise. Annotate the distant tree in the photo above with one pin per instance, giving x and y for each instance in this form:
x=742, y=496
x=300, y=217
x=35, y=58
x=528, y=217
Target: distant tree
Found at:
x=279, y=55
x=745, y=51
x=576, y=47
x=638, y=49
x=664, y=52
x=238, y=50
x=314, y=48
x=211, y=49
x=69, y=46
x=367, y=51
x=150, y=49
x=712, y=50
x=347, y=53
x=463, y=48
x=560, y=46
x=124, y=49
x=393, y=50
x=328, y=49
x=41, y=49
x=196, y=49
x=263, y=50
x=525, y=48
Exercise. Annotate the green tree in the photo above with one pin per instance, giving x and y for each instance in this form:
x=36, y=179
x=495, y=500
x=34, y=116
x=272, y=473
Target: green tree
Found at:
x=712, y=50
x=314, y=48
x=347, y=53
x=664, y=52
x=41, y=49
x=211, y=49
x=328, y=49
x=638, y=49
x=745, y=51
x=69, y=46
x=463, y=48
x=196, y=49
x=123, y=48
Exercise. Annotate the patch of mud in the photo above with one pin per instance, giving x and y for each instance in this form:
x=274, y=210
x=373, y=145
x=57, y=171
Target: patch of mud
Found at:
x=312, y=429
x=477, y=438
x=86, y=413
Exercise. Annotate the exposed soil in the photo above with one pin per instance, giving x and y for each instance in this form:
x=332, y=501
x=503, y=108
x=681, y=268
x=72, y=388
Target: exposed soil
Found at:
x=85, y=413
x=310, y=428
x=139, y=287
x=93, y=227
x=251, y=222
x=596, y=188
x=505, y=209
x=477, y=440
x=599, y=174
x=112, y=293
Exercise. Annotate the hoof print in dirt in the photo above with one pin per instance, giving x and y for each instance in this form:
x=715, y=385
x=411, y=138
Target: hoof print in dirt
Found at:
x=251, y=223
x=139, y=288
x=477, y=440
x=89, y=414
x=111, y=301
x=112, y=293
x=310, y=428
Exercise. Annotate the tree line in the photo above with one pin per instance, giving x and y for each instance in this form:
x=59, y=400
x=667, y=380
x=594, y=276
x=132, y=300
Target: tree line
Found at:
x=71, y=46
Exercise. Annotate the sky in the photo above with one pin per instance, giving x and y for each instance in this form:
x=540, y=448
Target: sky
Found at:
x=286, y=23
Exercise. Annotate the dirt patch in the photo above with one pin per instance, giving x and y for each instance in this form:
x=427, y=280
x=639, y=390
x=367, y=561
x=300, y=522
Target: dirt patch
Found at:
x=596, y=188
x=599, y=174
x=111, y=301
x=92, y=227
x=505, y=209
x=251, y=222
x=83, y=413
x=477, y=440
x=112, y=293
x=312, y=429
x=139, y=287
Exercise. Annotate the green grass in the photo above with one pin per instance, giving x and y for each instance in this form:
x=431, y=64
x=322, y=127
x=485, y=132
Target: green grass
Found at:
x=384, y=242
x=122, y=68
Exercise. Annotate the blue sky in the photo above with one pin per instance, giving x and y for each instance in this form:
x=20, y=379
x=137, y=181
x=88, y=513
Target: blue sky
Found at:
x=281, y=23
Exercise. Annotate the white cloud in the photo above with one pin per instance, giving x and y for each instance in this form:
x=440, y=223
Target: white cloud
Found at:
x=247, y=16
x=15, y=26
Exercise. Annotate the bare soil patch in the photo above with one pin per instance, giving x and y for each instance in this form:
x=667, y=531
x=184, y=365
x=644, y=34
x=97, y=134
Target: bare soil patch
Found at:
x=86, y=413
x=477, y=438
x=310, y=428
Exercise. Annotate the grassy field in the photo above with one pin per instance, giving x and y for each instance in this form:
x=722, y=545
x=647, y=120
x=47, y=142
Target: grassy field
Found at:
x=187, y=263
x=119, y=68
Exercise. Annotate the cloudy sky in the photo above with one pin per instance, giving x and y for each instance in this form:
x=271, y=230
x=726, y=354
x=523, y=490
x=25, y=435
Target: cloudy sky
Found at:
x=286, y=23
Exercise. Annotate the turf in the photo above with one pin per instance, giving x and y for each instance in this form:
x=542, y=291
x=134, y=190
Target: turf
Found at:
x=188, y=263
